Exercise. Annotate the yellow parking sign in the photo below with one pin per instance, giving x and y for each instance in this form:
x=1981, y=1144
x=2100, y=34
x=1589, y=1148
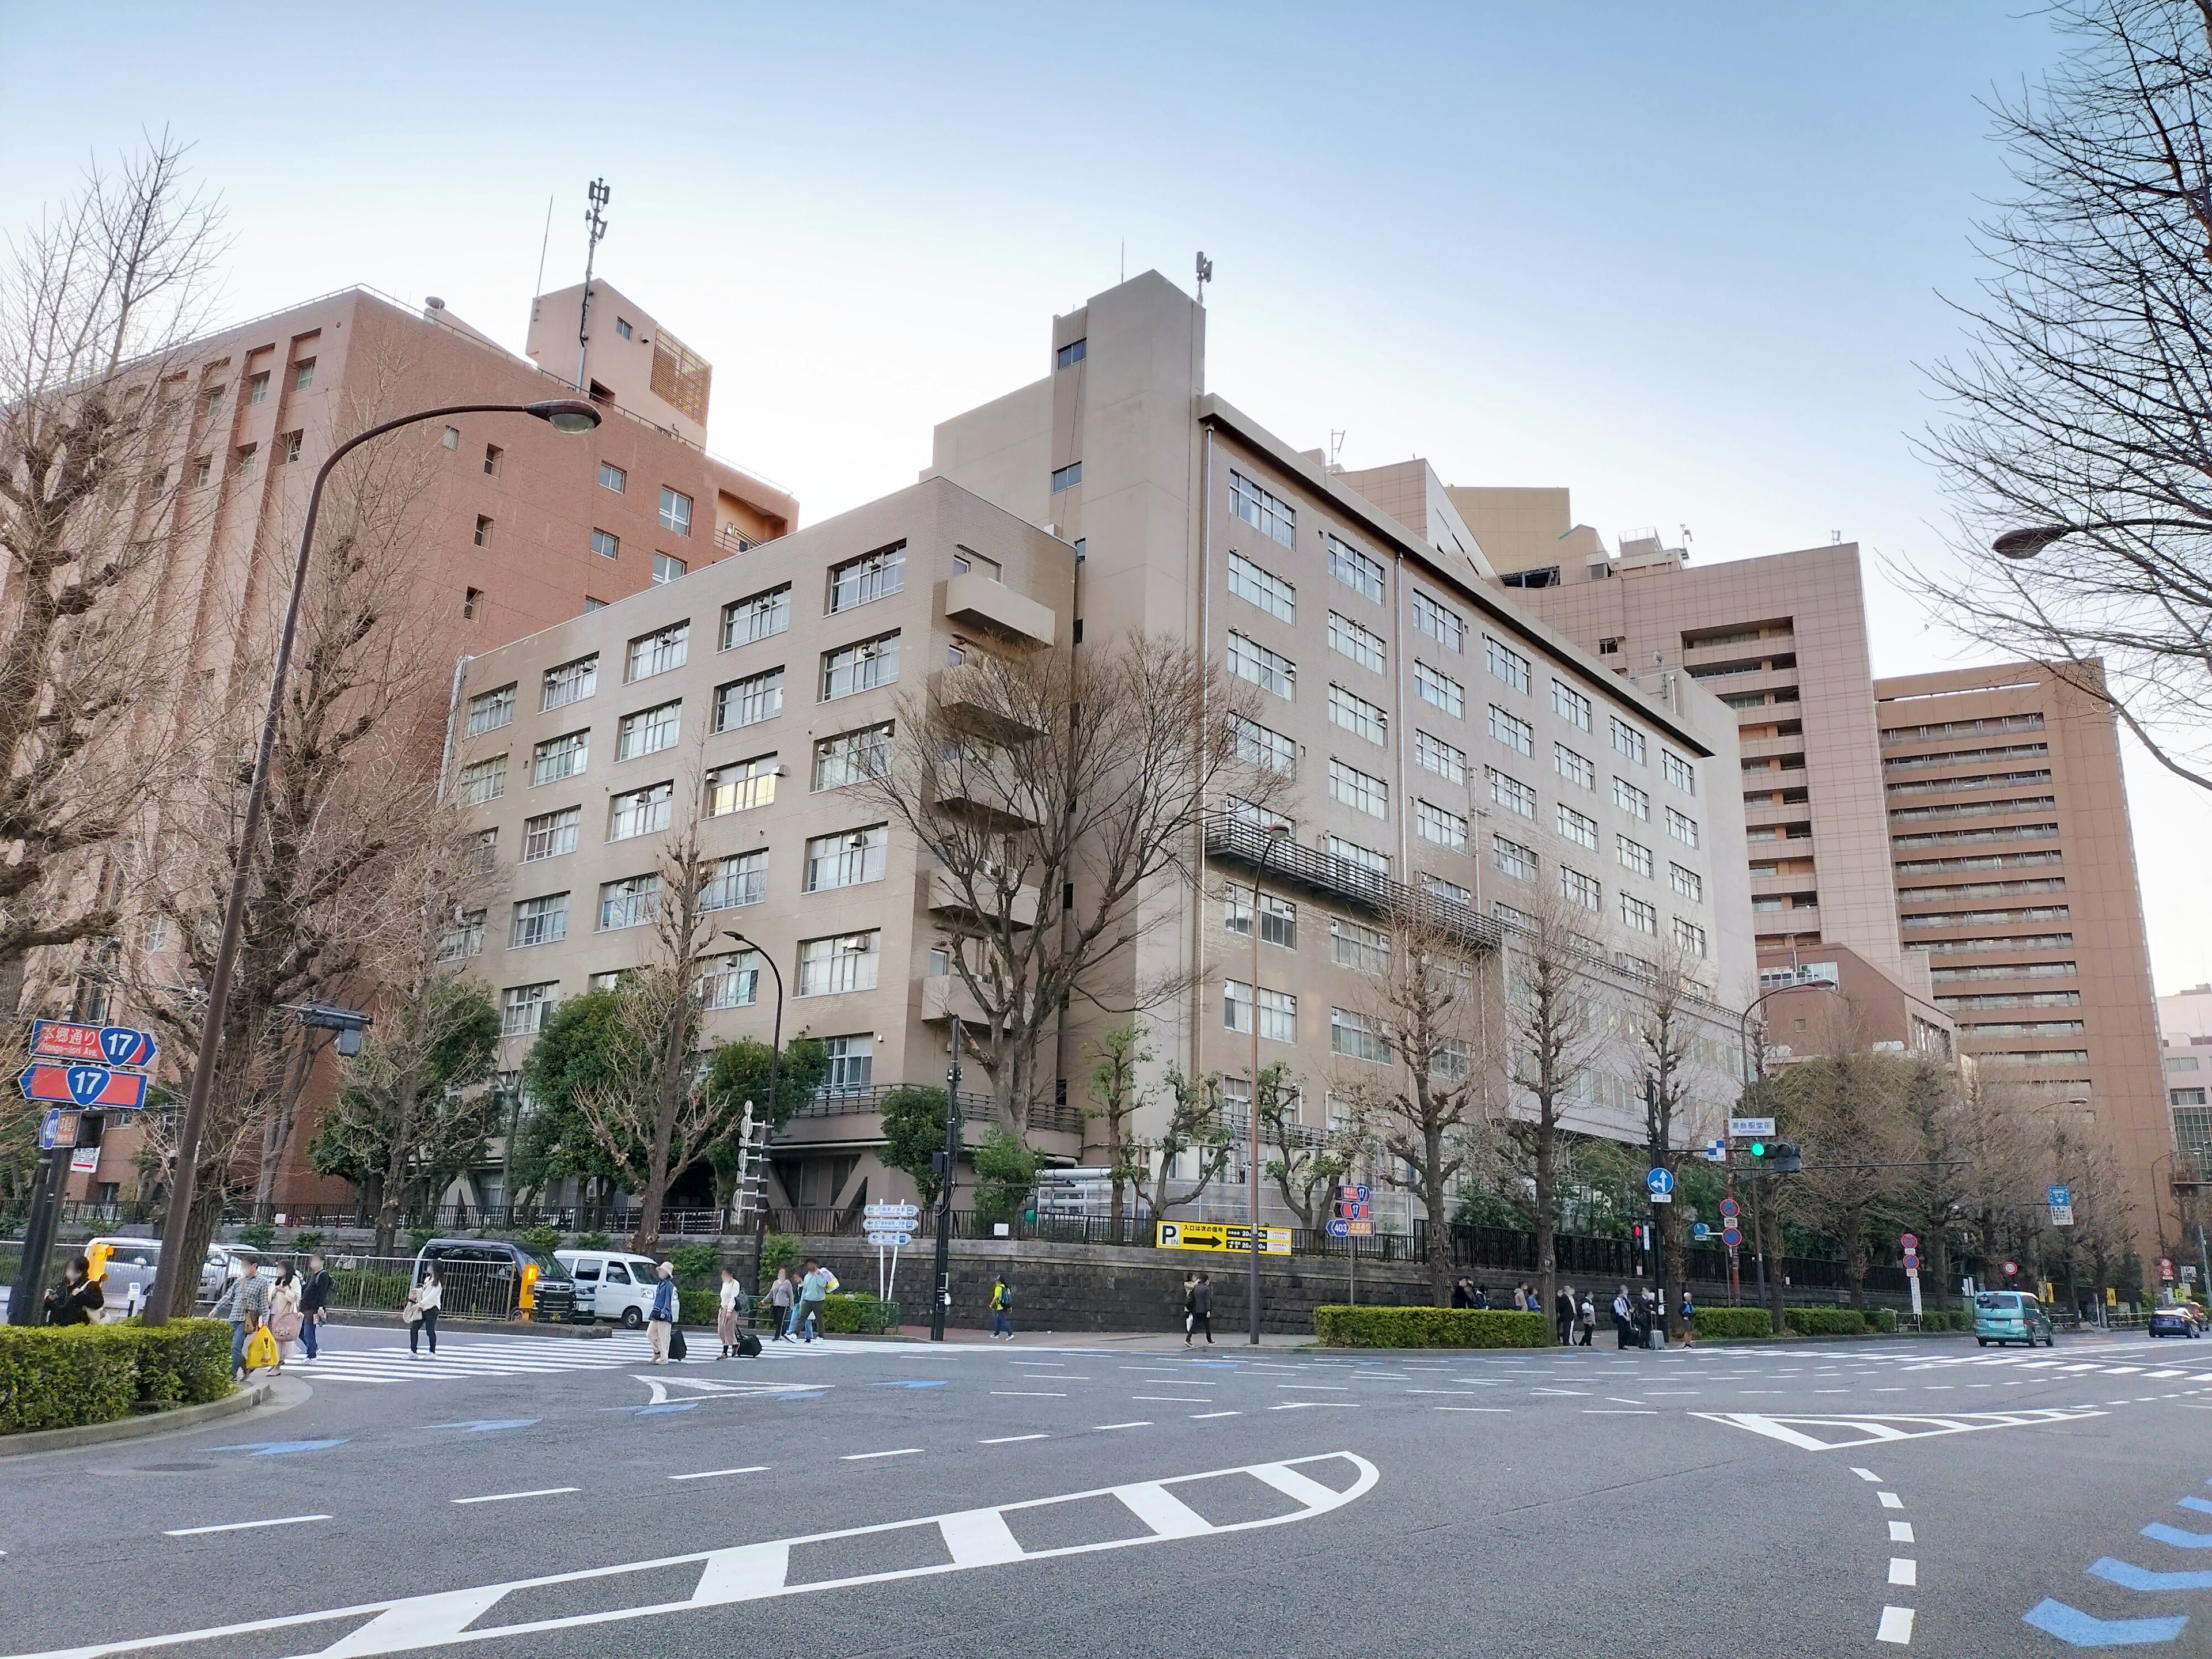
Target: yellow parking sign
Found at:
x=1222, y=1235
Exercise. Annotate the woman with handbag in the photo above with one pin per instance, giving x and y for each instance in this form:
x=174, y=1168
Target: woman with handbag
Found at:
x=284, y=1312
x=660, y=1323
x=421, y=1312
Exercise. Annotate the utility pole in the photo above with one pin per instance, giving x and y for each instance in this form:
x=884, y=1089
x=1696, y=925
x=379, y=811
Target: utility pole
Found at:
x=948, y=1163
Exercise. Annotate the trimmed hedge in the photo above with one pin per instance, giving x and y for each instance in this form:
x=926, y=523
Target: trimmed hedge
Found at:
x=857, y=1311
x=1827, y=1322
x=1883, y=1320
x=1340, y=1326
x=698, y=1307
x=1723, y=1324
x=61, y=1376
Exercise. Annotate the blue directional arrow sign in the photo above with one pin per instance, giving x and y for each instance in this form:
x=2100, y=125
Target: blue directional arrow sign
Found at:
x=2058, y=1196
x=2128, y=1576
x=1700, y=1231
x=2180, y=1539
x=487, y=1425
x=2080, y=1630
x=1660, y=1181
x=278, y=1448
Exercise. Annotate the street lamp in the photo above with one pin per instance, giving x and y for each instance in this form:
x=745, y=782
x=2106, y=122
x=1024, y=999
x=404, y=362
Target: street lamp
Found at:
x=571, y=415
x=1276, y=831
x=774, y=1060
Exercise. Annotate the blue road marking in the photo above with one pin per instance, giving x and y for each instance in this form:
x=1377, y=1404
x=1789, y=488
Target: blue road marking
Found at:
x=2176, y=1537
x=2198, y=1504
x=2078, y=1629
x=788, y=1398
x=488, y=1425
x=278, y=1448
x=913, y=1383
x=2130, y=1576
x=670, y=1405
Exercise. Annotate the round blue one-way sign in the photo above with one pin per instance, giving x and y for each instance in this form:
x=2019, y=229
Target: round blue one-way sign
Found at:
x=1660, y=1181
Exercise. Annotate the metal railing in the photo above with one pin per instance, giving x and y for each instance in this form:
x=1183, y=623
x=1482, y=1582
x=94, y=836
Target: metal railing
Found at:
x=1230, y=838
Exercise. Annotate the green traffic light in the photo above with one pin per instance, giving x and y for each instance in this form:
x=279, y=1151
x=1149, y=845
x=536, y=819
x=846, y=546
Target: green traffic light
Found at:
x=1759, y=1149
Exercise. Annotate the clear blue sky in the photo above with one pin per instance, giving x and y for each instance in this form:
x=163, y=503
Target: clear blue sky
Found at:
x=1682, y=259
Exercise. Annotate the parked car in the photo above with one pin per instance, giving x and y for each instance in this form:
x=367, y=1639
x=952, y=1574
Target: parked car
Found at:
x=2002, y=1316
x=611, y=1283
x=2177, y=1319
x=131, y=1265
x=494, y=1279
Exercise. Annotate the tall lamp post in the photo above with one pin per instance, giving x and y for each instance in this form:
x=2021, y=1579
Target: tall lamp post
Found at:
x=1276, y=832
x=774, y=1060
x=573, y=414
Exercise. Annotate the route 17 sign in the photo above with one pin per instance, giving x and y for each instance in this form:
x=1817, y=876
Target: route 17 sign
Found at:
x=99, y=1045
x=82, y=1085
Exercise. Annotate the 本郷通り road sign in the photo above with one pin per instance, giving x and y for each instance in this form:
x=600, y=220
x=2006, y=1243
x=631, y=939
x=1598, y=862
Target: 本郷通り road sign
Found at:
x=1222, y=1235
x=102, y=1045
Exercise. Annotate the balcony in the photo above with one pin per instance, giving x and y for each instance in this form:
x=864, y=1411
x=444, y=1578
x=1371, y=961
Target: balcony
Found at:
x=976, y=1107
x=975, y=793
x=974, y=701
x=729, y=539
x=944, y=995
x=977, y=601
x=946, y=899
x=1233, y=841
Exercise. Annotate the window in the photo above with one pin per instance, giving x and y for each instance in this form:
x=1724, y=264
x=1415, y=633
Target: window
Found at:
x=549, y=834
x=1687, y=883
x=244, y=461
x=1438, y=757
x=630, y=902
x=847, y=859
x=1575, y=768
x=649, y=731
x=742, y=785
x=1361, y=858
x=852, y=1062
x=871, y=576
x=730, y=981
x=613, y=477
x=639, y=811
x=465, y=935
x=523, y=1008
x=1067, y=477
x=1070, y=355
x=1632, y=800
x=1680, y=772
x=303, y=374
x=1683, y=829
x=1570, y=705
x=452, y=440
x=1583, y=831
x=1355, y=945
x=675, y=511
x=739, y=880
x=482, y=781
x=563, y=756
x=658, y=652
x=1510, y=858
x=1435, y=824
x=1278, y=1011
x=852, y=756
x=1506, y=664
x=1690, y=937
x=1249, y=583
x=1578, y=889
x=1512, y=731
x=1266, y=513
x=483, y=530
x=757, y=617
x=1355, y=1038
x=572, y=682
x=1511, y=793
x=489, y=710
x=845, y=962
x=1248, y=659
x=1348, y=639
x=607, y=544
x=1635, y=913
x=485, y=854
x=1359, y=790
x=1633, y=854
x=1437, y=887
x=622, y=327
x=1439, y=622
x=1442, y=690
x=749, y=700
x=859, y=667
x=469, y=597
x=667, y=568
x=1362, y=574
x=1627, y=740
x=539, y=921
x=1264, y=747
x=1278, y=917
x=258, y=388
x=1358, y=715
x=202, y=471
x=287, y=446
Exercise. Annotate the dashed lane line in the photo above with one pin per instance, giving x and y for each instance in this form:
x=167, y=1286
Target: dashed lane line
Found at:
x=710, y=1475
x=1890, y=1500
x=505, y=1497
x=1904, y=1571
x=1896, y=1627
x=863, y=1457
x=244, y=1526
x=1011, y=1439
x=1900, y=1531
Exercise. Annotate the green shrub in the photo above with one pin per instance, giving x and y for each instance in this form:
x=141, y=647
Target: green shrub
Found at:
x=186, y=1363
x=358, y=1288
x=1341, y=1326
x=310, y=1239
x=849, y=1310
x=694, y=1263
x=1723, y=1324
x=1827, y=1322
x=543, y=1239
x=1882, y=1319
x=592, y=1241
x=260, y=1235
x=777, y=1250
x=697, y=1307
x=53, y=1378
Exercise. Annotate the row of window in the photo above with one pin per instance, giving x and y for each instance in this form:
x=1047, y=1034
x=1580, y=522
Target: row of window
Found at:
x=827, y=966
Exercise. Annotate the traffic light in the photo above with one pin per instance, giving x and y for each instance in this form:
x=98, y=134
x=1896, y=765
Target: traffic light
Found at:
x=1759, y=1149
x=1787, y=1160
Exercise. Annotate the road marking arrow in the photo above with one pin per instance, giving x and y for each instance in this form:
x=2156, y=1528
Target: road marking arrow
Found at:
x=2130, y=1576
x=2176, y=1537
x=278, y=1448
x=2078, y=1629
x=488, y=1425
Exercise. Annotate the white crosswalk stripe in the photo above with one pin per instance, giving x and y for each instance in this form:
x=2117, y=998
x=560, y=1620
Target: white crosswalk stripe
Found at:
x=524, y=1356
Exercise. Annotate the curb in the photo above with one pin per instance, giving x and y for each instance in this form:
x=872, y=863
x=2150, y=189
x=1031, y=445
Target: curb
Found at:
x=135, y=1428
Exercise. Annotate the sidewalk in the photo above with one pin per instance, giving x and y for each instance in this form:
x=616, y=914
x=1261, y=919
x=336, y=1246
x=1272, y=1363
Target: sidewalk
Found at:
x=1132, y=1341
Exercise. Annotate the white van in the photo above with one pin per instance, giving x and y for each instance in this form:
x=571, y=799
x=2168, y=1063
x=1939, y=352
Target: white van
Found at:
x=613, y=1284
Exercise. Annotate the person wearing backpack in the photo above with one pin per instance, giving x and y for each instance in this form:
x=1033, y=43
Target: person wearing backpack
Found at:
x=1002, y=1299
x=660, y=1323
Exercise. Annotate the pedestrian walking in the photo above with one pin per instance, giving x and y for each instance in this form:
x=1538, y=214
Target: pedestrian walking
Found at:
x=1201, y=1308
x=1621, y=1309
x=245, y=1304
x=1588, y=1321
x=422, y=1311
x=660, y=1323
x=76, y=1298
x=314, y=1303
x=1462, y=1293
x=1482, y=1297
x=1524, y=1298
x=813, y=1292
x=726, y=1316
x=1189, y=1306
x=780, y=1297
x=1689, y=1318
x=284, y=1320
x=1563, y=1315
x=1002, y=1302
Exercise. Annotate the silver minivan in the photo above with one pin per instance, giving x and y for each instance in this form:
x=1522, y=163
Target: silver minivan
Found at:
x=130, y=1267
x=615, y=1283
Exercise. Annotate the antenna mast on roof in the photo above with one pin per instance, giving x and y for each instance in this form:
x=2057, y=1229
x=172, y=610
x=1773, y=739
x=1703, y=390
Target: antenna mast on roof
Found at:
x=1205, y=276
x=597, y=225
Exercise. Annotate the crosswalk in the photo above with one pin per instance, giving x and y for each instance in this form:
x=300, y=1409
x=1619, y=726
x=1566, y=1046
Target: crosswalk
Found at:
x=460, y=1357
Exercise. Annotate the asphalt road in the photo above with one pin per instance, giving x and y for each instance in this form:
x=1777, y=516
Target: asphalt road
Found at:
x=520, y=1499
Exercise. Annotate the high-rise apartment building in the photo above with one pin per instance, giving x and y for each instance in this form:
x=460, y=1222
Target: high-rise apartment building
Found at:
x=2016, y=875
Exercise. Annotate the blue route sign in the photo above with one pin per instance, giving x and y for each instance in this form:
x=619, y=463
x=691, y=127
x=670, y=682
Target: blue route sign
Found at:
x=1660, y=1181
x=2059, y=1195
x=1701, y=1231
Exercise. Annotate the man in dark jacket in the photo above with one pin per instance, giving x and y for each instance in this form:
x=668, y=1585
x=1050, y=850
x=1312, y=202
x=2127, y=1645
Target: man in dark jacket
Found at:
x=315, y=1299
x=1563, y=1315
x=1201, y=1308
x=74, y=1300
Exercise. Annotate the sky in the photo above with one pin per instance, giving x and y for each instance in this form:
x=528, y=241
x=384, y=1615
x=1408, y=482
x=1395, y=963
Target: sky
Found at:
x=1688, y=260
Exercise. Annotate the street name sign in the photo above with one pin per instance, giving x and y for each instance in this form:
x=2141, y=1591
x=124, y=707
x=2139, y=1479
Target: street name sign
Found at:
x=1340, y=1228
x=884, y=1240
x=1221, y=1236
x=1743, y=1128
x=102, y=1045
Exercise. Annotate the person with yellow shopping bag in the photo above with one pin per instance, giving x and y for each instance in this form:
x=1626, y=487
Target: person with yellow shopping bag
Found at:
x=261, y=1350
x=245, y=1304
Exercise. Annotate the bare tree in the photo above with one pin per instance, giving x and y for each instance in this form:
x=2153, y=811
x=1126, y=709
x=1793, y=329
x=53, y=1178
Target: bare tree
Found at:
x=1305, y=1163
x=1665, y=1014
x=96, y=303
x=1118, y=1059
x=1196, y=1125
x=1851, y=1111
x=2081, y=404
x=1429, y=1004
x=1052, y=794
